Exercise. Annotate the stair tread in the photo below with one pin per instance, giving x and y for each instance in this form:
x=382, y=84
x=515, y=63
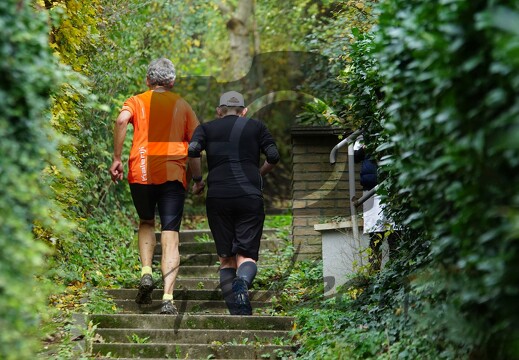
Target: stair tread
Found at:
x=250, y=351
x=188, y=306
x=204, y=327
x=193, y=321
x=183, y=293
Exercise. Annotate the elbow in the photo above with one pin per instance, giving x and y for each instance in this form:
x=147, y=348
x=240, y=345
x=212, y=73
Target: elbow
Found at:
x=194, y=150
x=123, y=119
x=272, y=155
x=273, y=161
x=121, y=123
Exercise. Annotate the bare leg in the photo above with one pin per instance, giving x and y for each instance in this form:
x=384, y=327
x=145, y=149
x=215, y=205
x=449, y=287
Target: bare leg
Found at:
x=147, y=241
x=240, y=259
x=229, y=262
x=170, y=259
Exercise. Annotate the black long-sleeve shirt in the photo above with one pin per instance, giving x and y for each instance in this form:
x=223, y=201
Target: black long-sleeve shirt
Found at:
x=233, y=145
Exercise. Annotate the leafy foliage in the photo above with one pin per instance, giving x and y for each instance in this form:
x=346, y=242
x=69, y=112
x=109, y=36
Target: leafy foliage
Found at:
x=435, y=88
x=28, y=147
x=451, y=99
x=333, y=37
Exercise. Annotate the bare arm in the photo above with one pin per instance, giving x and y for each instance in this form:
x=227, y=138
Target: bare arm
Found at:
x=266, y=168
x=195, y=164
x=120, y=128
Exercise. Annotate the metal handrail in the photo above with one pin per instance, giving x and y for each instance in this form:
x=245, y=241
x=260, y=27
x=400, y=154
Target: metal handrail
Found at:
x=366, y=196
x=350, y=138
x=354, y=202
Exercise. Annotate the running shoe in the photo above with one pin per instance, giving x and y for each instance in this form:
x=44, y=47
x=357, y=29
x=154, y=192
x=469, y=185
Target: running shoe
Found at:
x=168, y=308
x=145, y=289
x=241, y=297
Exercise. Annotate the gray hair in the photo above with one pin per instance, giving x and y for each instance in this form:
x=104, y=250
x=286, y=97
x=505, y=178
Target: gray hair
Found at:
x=232, y=110
x=161, y=72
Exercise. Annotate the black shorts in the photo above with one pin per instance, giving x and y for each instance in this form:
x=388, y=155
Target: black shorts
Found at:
x=236, y=225
x=168, y=197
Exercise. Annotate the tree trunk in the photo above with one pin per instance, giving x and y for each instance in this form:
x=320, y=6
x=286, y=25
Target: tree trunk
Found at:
x=239, y=36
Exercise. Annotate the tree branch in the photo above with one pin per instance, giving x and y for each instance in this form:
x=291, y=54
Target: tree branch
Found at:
x=224, y=9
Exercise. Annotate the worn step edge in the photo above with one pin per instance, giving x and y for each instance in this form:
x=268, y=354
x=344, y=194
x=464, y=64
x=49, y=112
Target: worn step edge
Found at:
x=197, y=283
x=186, y=294
x=211, y=272
x=208, y=246
x=191, y=336
x=188, y=306
x=192, y=321
x=190, y=235
x=222, y=351
x=210, y=259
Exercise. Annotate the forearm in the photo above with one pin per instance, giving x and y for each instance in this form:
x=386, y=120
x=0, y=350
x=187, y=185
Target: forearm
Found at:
x=266, y=168
x=120, y=128
x=119, y=135
x=195, y=166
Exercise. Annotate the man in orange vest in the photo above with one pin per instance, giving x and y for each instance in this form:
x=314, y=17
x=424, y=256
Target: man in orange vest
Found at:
x=163, y=124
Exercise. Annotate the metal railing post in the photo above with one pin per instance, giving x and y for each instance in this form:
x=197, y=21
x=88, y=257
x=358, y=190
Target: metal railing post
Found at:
x=351, y=177
x=351, y=181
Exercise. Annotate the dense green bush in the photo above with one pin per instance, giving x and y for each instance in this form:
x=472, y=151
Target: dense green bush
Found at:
x=28, y=74
x=435, y=86
x=451, y=81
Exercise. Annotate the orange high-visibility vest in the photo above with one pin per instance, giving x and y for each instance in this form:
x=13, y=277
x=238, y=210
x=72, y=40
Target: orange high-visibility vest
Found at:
x=163, y=124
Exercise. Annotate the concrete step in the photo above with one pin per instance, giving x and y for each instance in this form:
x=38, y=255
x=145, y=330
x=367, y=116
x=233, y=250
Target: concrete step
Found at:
x=191, y=321
x=194, y=235
x=209, y=259
x=204, y=259
x=209, y=247
x=185, y=294
x=206, y=271
x=194, y=351
x=198, y=271
x=188, y=306
x=203, y=329
x=191, y=336
x=196, y=283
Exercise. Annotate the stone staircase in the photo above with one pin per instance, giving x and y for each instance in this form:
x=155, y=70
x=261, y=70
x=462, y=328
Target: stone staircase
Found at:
x=203, y=329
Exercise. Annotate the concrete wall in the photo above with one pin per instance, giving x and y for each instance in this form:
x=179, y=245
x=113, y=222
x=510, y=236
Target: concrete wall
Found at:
x=319, y=190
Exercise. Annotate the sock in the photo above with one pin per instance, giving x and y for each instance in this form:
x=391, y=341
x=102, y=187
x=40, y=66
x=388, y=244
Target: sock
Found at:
x=167, y=297
x=227, y=275
x=146, y=270
x=247, y=271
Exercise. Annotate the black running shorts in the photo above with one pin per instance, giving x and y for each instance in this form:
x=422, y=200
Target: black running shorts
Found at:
x=168, y=197
x=236, y=225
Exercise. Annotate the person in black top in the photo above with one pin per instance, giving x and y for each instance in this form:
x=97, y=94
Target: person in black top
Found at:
x=234, y=203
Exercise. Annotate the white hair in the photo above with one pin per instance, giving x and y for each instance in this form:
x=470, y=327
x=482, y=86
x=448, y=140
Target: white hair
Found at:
x=161, y=72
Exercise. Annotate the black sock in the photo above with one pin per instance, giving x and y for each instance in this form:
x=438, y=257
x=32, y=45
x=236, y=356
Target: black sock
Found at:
x=227, y=275
x=247, y=271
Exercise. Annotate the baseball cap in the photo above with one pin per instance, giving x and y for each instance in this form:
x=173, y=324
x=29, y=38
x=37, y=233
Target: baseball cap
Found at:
x=232, y=98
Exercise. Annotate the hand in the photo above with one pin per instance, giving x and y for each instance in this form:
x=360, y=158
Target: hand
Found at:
x=116, y=171
x=198, y=187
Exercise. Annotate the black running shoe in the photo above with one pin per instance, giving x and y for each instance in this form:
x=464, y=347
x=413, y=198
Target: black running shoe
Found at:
x=168, y=308
x=241, y=297
x=145, y=290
